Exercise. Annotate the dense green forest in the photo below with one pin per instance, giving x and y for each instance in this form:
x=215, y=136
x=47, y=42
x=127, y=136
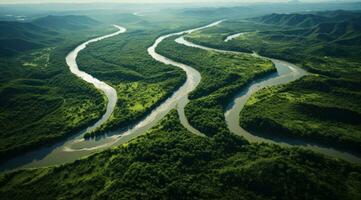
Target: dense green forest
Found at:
x=322, y=107
x=313, y=107
x=315, y=47
x=141, y=82
x=41, y=101
x=171, y=163
x=222, y=74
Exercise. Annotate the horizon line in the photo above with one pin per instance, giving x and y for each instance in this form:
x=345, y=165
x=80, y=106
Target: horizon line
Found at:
x=201, y=2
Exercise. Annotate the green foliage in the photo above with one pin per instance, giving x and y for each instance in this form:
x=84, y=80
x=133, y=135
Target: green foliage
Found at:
x=313, y=107
x=223, y=75
x=321, y=108
x=330, y=48
x=68, y=22
x=171, y=163
x=41, y=101
x=141, y=82
x=295, y=20
x=20, y=37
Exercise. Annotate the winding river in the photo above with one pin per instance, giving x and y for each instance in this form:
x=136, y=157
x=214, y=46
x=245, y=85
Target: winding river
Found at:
x=76, y=146
x=286, y=73
x=109, y=92
x=52, y=154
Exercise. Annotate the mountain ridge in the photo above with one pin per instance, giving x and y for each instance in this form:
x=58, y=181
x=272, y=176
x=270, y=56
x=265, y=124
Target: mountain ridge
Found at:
x=17, y=37
x=66, y=22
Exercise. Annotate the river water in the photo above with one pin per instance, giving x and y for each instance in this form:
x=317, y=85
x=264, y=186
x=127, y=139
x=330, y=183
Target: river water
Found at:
x=286, y=73
x=76, y=147
x=109, y=92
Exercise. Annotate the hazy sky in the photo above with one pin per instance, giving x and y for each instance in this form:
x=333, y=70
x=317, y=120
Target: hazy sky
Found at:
x=152, y=1
x=130, y=1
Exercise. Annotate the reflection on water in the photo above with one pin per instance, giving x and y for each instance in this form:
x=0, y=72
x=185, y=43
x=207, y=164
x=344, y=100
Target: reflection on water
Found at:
x=231, y=37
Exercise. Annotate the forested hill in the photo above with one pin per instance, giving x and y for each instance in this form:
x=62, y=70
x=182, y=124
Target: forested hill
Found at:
x=339, y=29
x=37, y=89
x=298, y=20
x=303, y=20
x=16, y=37
x=66, y=22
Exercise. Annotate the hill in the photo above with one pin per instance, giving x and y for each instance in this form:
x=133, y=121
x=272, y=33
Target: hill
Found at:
x=17, y=37
x=322, y=107
x=69, y=22
x=37, y=89
x=304, y=20
x=330, y=33
x=22, y=30
x=344, y=33
x=296, y=20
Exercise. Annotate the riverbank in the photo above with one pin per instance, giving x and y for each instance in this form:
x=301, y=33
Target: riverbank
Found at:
x=76, y=147
x=287, y=73
x=169, y=160
x=42, y=102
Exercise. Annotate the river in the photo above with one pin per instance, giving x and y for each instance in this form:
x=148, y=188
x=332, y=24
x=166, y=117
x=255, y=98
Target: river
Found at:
x=109, y=92
x=286, y=73
x=76, y=147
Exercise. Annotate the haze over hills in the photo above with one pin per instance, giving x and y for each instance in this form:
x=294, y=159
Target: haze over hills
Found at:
x=173, y=1
x=297, y=20
x=309, y=19
x=334, y=27
x=18, y=37
x=180, y=101
x=70, y=22
x=23, y=36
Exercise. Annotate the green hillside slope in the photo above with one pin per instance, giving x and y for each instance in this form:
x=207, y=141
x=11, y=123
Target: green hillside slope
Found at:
x=41, y=101
x=69, y=22
x=312, y=107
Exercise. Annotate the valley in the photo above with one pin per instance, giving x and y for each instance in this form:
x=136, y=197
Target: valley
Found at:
x=37, y=106
x=191, y=103
x=318, y=84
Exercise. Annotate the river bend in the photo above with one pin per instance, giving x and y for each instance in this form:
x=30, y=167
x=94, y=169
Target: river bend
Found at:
x=286, y=73
x=77, y=147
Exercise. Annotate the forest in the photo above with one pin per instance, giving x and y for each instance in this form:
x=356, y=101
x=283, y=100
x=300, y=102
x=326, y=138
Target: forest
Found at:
x=46, y=108
x=222, y=76
x=171, y=163
x=37, y=106
x=332, y=89
x=140, y=81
